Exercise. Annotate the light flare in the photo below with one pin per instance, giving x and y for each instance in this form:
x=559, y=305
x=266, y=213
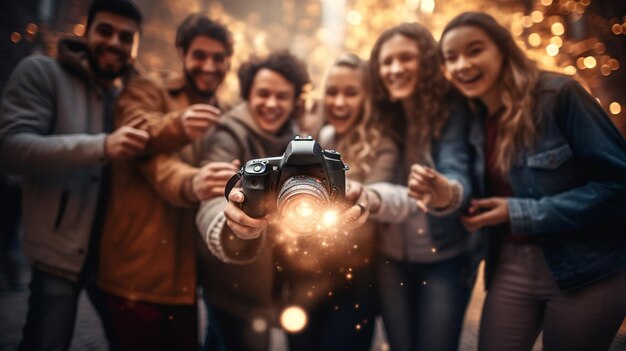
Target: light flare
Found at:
x=293, y=319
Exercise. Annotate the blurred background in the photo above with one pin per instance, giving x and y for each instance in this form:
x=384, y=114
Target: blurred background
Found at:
x=583, y=38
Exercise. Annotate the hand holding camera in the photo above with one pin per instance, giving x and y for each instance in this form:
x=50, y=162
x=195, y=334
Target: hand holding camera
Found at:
x=306, y=188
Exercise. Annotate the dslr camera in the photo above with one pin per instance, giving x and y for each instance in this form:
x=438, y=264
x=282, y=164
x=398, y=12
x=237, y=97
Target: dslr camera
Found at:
x=304, y=185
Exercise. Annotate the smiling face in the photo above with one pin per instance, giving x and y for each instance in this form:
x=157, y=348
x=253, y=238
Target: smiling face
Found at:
x=474, y=63
x=271, y=100
x=343, y=98
x=399, y=66
x=205, y=64
x=111, y=44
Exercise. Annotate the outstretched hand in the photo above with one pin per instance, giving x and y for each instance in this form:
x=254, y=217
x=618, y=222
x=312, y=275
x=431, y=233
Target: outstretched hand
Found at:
x=429, y=188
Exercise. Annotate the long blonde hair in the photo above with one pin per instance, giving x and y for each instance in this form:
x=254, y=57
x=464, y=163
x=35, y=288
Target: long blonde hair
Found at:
x=518, y=125
x=429, y=113
x=358, y=145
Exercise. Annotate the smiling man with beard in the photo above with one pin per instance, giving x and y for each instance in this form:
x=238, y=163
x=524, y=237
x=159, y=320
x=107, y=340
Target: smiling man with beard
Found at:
x=148, y=259
x=56, y=131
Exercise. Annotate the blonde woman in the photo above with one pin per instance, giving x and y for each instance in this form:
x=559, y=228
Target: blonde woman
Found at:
x=425, y=264
x=555, y=170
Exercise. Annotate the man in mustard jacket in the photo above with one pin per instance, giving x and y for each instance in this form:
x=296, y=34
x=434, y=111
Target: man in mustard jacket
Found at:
x=148, y=265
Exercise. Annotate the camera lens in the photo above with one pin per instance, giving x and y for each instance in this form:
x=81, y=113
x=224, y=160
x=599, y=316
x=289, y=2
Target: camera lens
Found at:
x=302, y=202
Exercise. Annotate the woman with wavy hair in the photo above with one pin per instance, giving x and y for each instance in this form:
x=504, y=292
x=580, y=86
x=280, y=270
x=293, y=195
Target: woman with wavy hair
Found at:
x=554, y=166
x=425, y=264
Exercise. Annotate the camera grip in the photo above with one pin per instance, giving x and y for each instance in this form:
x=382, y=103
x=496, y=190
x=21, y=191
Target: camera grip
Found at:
x=253, y=204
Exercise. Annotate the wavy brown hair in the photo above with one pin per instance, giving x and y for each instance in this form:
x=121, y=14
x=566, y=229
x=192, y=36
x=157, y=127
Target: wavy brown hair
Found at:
x=415, y=129
x=359, y=144
x=517, y=127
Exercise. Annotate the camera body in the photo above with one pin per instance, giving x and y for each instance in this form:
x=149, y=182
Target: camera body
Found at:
x=303, y=171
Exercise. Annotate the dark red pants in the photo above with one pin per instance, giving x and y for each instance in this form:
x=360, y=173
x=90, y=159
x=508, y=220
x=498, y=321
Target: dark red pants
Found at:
x=146, y=326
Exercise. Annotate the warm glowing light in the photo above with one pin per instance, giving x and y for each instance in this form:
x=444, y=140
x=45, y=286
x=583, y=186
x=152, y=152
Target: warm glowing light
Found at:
x=527, y=22
x=357, y=327
x=615, y=108
x=614, y=64
x=330, y=218
x=304, y=209
x=31, y=28
x=412, y=5
x=536, y=16
x=293, y=319
x=605, y=70
x=428, y=6
x=534, y=39
x=16, y=37
x=354, y=17
x=590, y=62
x=571, y=70
x=556, y=41
x=557, y=28
x=259, y=325
x=552, y=50
x=349, y=276
x=580, y=62
x=546, y=2
x=617, y=29
x=79, y=29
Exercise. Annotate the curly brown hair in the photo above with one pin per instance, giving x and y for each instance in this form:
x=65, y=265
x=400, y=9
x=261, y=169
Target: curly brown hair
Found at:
x=413, y=130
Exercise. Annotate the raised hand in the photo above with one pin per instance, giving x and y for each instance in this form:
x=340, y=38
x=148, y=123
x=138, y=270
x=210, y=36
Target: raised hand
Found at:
x=429, y=188
x=212, y=178
x=127, y=141
x=198, y=119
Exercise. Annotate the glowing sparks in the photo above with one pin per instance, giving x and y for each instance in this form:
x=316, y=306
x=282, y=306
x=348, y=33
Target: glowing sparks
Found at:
x=552, y=50
x=534, y=39
x=293, y=319
x=570, y=70
x=615, y=108
x=16, y=37
x=354, y=17
x=590, y=62
x=536, y=16
x=557, y=28
x=330, y=218
x=259, y=325
x=428, y=6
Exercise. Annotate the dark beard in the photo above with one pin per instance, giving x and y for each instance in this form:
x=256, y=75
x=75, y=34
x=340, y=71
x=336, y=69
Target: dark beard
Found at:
x=101, y=73
x=194, y=89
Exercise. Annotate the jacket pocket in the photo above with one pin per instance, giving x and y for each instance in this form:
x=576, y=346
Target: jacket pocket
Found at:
x=550, y=159
x=61, y=211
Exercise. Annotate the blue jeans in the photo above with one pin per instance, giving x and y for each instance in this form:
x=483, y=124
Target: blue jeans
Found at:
x=423, y=305
x=52, y=307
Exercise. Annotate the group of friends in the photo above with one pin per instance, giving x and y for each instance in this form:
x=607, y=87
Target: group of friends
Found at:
x=459, y=150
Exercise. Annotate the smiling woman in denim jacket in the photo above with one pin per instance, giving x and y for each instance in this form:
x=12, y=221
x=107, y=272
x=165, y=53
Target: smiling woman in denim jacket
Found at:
x=555, y=172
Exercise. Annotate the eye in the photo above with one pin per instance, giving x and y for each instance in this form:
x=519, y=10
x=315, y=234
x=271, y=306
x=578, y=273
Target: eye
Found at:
x=283, y=96
x=126, y=37
x=352, y=92
x=198, y=55
x=219, y=58
x=263, y=93
x=331, y=91
x=105, y=30
x=450, y=58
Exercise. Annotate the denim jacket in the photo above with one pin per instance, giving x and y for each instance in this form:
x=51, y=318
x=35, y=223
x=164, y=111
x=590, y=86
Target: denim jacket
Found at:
x=570, y=187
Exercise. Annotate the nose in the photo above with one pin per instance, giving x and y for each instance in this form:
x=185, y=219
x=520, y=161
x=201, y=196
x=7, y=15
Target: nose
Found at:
x=463, y=63
x=209, y=65
x=396, y=66
x=270, y=102
x=114, y=40
x=340, y=100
